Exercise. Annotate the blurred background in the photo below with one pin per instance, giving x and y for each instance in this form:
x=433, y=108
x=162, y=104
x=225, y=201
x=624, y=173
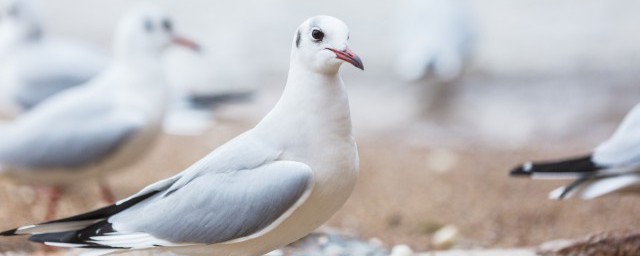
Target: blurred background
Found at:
x=544, y=79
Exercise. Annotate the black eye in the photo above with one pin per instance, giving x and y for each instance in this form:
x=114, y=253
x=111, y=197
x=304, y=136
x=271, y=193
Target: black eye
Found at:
x=317, y=35
x=148, y=25
x=167, y=25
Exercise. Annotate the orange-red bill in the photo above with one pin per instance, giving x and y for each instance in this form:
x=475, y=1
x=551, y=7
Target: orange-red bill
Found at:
x=186, y=43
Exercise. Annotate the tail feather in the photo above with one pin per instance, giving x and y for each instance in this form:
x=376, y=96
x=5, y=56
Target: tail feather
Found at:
x=572, y=168
x=567, y=191
x=9, y=232
x=62, y=226
x=605, y=186
x=594, y=187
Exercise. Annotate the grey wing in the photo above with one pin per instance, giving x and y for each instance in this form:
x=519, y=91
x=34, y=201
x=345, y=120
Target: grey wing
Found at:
x=219, y=207
x=35, y=90
x=623, y=148
x=65, y=144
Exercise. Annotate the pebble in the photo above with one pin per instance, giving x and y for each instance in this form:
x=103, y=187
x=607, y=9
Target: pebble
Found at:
x=446, y=237
x=401, y=250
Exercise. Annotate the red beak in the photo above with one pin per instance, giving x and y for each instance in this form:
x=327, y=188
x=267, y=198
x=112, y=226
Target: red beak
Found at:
x=348, y=56
x=186, y=43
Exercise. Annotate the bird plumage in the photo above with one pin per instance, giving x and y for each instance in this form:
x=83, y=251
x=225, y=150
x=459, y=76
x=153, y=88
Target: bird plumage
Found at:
x=614, y=165
x=262, y=190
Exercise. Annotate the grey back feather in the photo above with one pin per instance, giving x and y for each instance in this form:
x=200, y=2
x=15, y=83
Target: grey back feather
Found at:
x=34, y=91
x=66, y=145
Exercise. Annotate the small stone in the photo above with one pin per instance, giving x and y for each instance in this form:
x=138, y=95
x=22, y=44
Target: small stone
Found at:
x=401, y=250
x=446, y=237
x=323, y=240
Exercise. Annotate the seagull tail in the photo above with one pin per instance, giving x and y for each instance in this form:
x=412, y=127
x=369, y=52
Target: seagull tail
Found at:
x=591, y=188
x=56, y=230
x=10, y=232
x=568, y=191
x=571, y=168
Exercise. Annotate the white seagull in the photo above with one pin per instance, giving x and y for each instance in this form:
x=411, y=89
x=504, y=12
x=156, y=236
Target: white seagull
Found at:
x=107, y=124
x=35, y=66
x=614, y=165
x=434, y=39
x=260, y=191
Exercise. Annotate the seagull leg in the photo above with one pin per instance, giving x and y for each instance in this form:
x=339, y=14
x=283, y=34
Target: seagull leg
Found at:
x=106, y=193
x=53, y=194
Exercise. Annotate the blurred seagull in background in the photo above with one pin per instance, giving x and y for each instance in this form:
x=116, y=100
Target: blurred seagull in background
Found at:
x=614, y=165
x=35, y=66
x=434, y=39
x=260, y=191
x=107, y=124
x=198, y=89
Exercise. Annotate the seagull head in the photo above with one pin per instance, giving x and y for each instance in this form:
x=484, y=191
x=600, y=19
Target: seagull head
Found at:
x=147, y=30
x=20, y=20
x=321, y=43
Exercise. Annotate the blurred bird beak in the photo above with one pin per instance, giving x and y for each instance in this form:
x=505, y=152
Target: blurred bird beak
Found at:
x=186, y=43
x=348, y=56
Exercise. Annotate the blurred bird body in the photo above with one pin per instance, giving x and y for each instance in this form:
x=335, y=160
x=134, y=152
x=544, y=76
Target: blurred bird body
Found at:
x=614, y=165
x=434, y=39
x=86, y=130
x=262, y=190
x=35, y=66
x=91, y=130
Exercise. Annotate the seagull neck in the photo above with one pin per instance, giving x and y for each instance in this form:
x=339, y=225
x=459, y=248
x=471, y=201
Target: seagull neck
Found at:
x=142, y=83
x=311, y=101
x=137, y=58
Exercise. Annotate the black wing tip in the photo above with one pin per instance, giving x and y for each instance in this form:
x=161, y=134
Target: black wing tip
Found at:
x=81, y=238
x=579, y=165
x=524, y=170
x=9, y=232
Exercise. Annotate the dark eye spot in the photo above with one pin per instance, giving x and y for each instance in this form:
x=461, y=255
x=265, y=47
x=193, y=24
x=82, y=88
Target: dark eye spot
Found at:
x=167, y=25
x=148, y=25
x=317, y=34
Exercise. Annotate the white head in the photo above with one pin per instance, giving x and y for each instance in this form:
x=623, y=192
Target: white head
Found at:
x=20, y=20
x=147, y=31
x=320, y=44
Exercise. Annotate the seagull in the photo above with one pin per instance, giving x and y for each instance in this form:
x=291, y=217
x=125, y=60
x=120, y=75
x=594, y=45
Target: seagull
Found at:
x=33, y=65
x=614, y=165
x=264, y=189
x=107, y=124
x=434, y=39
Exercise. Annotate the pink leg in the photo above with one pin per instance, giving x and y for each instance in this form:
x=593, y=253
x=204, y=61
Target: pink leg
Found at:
x=105, y=192
x=53, y=196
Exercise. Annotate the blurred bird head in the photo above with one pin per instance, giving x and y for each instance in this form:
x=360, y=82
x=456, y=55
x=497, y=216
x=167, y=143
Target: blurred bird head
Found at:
x=146, y=31
x=20, y=20
x=321, y=43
